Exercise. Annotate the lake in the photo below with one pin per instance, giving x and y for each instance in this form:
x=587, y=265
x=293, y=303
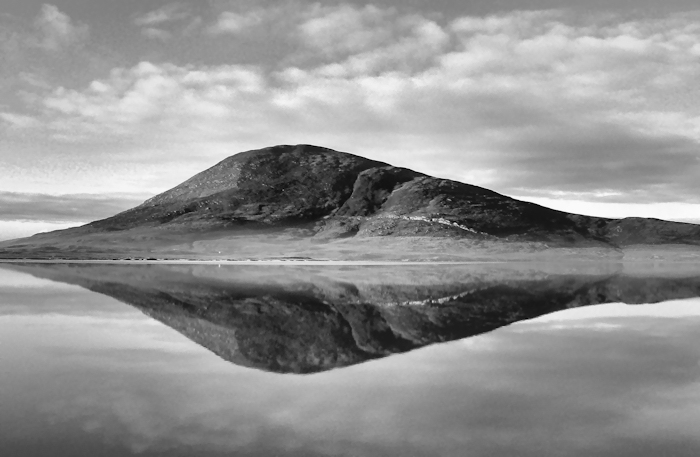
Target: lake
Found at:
x=298, y=360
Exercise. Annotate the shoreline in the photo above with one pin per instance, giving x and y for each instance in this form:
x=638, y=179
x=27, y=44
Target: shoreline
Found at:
x=254, y=262
x=389, y=252
x=319, y=262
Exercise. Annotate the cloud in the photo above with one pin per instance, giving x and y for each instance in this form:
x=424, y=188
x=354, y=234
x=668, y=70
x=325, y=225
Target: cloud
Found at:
x=168, y=13
x=537, y=392
x=10, y=230
x=370, y=39
x=18, y=121
x=10, y=41
x=38, y=52
x=230, y=22
x=528, y=103
x=164, y=23
x=685, y=308
x=34, y=81
x=58, y=30
x=624, y=164
x=347, y=29
x=148, y=97
x=66, y=208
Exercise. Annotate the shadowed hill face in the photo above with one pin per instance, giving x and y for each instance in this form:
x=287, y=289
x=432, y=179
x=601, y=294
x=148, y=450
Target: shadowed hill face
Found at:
x=297, y=320
x=373, y=187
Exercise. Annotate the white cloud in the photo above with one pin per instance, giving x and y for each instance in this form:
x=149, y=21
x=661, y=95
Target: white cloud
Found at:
x=58, y=30
x=346, y=29
x=526, y=103
x=148, y=99
x=18, y=121
x=163, y=23
x=361, y=41
x=168, y=13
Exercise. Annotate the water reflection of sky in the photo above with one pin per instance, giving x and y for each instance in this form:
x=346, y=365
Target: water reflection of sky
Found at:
x=83, y=374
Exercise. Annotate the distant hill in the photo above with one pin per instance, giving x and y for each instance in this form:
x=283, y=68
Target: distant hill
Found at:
x=281, y=196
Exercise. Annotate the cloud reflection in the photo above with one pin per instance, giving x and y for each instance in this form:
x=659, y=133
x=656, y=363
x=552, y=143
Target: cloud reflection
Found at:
x=139, y=387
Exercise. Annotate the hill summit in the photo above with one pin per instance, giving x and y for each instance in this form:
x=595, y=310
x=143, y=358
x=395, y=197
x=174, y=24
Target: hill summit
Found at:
x=285, y=195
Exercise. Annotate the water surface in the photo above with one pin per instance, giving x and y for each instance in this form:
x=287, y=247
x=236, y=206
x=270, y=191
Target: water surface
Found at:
x=200, y=360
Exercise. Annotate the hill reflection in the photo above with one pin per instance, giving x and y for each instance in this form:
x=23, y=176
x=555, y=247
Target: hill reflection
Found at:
x=298, y=319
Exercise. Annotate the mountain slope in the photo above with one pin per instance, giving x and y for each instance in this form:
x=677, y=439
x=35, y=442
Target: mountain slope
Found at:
x=281, y=184
x=307, y=192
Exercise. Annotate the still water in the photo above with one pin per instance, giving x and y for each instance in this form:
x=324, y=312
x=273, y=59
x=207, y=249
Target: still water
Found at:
x=497, y=360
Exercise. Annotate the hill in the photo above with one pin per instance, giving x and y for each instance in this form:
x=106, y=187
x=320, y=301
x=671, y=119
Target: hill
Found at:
x=310, y=201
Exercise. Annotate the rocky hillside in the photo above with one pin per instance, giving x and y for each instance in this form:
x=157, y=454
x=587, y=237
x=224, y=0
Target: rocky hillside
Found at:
x=311, y=192
x=282, y=185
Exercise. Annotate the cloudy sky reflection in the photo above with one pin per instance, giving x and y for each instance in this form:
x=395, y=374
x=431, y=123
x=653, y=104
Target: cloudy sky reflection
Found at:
x=603, y=383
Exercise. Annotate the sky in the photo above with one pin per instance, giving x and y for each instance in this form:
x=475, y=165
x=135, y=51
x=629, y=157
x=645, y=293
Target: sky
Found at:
x=589, y=107
x=608, y=380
